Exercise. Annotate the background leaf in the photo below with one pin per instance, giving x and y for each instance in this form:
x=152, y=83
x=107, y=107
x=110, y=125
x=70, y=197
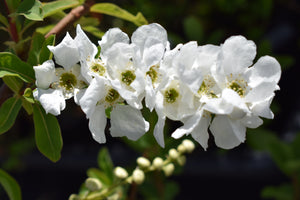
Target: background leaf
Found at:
x=9, y=112
x=51, y=8
x=10, y=185
x=47, y=133
x=45, y=53
x=11, y=65
x=116, y=11
x=105, y=163
x=14, y=83
x=31, y=9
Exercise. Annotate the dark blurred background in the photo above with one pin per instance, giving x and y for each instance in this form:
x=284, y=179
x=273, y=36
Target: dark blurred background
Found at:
x=240, y=173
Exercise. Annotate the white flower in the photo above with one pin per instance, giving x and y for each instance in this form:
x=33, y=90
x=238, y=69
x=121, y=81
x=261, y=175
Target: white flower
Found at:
x=125, y=77
x=125, y=120
x=247, y=91
x=150, y=44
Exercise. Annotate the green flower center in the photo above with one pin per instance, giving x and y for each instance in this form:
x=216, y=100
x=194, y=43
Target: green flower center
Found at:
x=68, y=81
x=98, y=68
x=153, y=73
x=112, y=95
x=171, y=95
x=128, y=77
x=237, y=88
x=204, y=90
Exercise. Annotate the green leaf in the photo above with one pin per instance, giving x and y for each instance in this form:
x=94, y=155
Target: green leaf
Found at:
x=282, y=192
x=45, y=53
x=44, y=29
x=3, y=20
x=47, y=133
x=105, y=163
x=28, y=96
x=31, y=9
x=8, y=113
x=296, y=146
x=11, y=65
x=56, y=6
x=27, y=106
x=14, y=83
x=10, y=185
x=116, y=11
x=35, y=48
x=94, y=31
x=193, y=29
x=12, y=5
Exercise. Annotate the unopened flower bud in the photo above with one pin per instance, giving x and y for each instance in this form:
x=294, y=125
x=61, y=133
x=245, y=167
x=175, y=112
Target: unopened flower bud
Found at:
x=173, y=153
x=169, y=169
x=138, y=176
x=181, y=148
x=181, y=160
x=143, y=162
x=189, y=145
x=93, y=184
x=74, y=197
x=120, y=173
x=158, y=163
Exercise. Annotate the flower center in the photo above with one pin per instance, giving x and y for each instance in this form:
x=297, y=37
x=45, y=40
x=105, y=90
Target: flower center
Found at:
x=128, y=77
x=112, y=95
x=98, y=68
x=171, y=95
x=205, y=90
x=153, y=73
x=68, y=81
x=237, y=88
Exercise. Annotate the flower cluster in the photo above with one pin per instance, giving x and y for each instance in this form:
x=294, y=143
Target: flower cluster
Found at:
x=216, y=88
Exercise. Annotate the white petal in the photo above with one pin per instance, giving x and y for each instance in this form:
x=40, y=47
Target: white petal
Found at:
x=78, y=94
x=150, y=94
x=97, y=123
x=140, y=36
x=111, y=37
x=94, y=93
x=159, y=126
x=153, y=52
x=122, y=51
x=66, y=52
x=85, y=47
x=263, y=108
x=261, y=92
x=189, y=125
x=252, y=121
x=266, y=69
x=53, y=101
x=227, y=133
x=127, y=121
x=200, y=133
x=238, y=54
x=44, y=74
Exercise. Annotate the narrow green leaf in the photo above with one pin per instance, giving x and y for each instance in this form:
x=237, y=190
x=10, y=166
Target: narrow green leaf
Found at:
x=10, y=185
x=31, y=9
x=11, y=65
x=44, y=29
x=56, y=6
x=116, y=11
x=27, y=106
x=14, y=83
x=8, y=113
x=35, y=48
x=47, y=133
x=105, y=163
x=45, y=53
x=94, y=31
x=3, y=20
x=12, y=5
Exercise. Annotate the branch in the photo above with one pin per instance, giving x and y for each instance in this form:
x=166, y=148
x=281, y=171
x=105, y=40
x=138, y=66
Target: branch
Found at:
x=70, y=18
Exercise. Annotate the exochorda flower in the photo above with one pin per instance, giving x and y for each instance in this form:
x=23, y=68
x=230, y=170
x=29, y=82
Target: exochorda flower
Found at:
x=54, y=85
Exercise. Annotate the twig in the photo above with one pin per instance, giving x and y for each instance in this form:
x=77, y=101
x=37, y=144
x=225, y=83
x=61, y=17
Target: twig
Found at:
x=70, y=18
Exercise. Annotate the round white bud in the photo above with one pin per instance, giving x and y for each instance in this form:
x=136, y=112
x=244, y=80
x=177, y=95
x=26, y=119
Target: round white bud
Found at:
x=120, y=173
x=189, y=145
x=74, y=197
x=181, y=148
x=138, y=176
x=181, y=160
x=158, y=163
x=143, y=162
x=169, y=169
x=173, y=153
x=93, y=184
